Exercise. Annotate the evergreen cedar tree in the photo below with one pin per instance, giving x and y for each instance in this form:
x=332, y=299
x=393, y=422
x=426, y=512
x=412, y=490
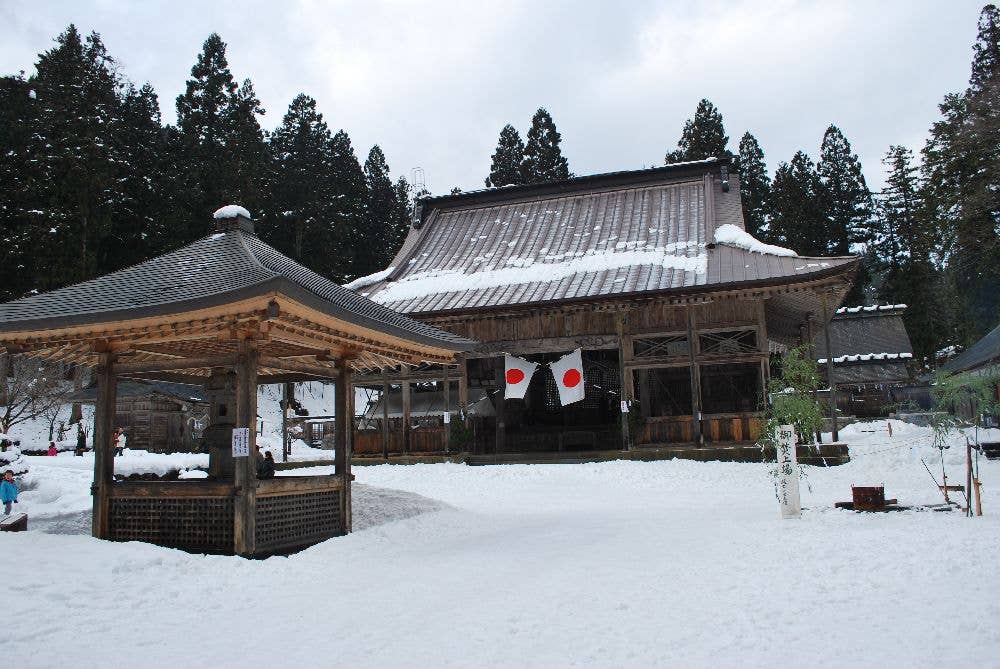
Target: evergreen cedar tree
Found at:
x=506, y=167
x=538, y=161
x=93, y=181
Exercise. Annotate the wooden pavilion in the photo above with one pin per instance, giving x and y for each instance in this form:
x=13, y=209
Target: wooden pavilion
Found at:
x=227, y=312
x=676, y=308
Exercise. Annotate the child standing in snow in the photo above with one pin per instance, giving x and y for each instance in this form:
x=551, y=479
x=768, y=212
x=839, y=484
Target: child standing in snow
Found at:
x=53, y=451
x=8, y=491
x=120, y=441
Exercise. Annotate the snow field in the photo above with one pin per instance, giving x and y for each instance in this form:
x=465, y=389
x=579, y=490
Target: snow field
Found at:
x=674, y=563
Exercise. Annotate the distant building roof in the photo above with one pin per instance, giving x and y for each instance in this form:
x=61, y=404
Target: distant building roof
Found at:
x=216, y=269
x=604, y=235
x=870, y=344
x=184, y=392
x=983, y=353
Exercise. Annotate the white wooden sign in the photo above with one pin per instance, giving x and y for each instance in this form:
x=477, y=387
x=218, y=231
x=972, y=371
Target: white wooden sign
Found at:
x=241, y=442
x=788, y=474
x=624, y=406
x=447, y=417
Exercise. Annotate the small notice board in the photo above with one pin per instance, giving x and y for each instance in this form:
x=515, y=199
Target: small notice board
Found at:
x=241, y=442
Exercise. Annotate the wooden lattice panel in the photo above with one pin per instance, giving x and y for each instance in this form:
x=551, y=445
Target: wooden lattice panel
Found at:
x=293, y=521
x=203, y=524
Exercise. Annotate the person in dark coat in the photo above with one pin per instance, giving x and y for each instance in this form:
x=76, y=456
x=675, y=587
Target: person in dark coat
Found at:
x=265, y=470
x=81, y=440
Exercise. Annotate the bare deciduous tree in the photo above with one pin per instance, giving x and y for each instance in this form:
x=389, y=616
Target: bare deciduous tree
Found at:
x=33, y=388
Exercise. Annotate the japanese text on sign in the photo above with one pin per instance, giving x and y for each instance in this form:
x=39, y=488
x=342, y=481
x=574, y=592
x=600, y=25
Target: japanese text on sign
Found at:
x=241, y=442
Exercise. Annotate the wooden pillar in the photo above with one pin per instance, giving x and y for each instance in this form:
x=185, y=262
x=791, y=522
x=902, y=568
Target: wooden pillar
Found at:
x=463, y=390
x=625, y=394
x=385, y=414
x=344, y=408
x=404, y=372
x=446, y=418
x=287, y=395
x=245, y=469
x=104, y=462
x=501, y=390
x=829, y=369
x=695, y=375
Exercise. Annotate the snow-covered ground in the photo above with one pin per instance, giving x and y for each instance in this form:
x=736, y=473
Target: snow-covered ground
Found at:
x=673, y=563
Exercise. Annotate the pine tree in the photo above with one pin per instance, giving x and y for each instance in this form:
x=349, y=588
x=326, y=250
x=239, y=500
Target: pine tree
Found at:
x=381, y=215
x=401, y=221
x=17, y=185
x=352, y=205
x=203, y=112
x=797, y=220
x=755, y=187
x=543, y=159
x=74, y=152
x=306, y=191
x=901, y=247
x=846, y=200
x=246, y=150
x=703, y=137
x=507, y=159
x=961, y=161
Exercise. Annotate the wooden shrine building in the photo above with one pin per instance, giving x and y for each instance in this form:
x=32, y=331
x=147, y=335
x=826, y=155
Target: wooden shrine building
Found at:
x=226, y=312
x=871, y=350
x=650, y=272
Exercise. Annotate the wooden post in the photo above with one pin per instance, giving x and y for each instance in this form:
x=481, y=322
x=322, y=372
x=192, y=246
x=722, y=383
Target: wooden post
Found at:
x=968, y=477
x=829, y=370
x=245, y=469
x=501, y=389
x=695, y=375
x=625, y=395
x=463, y=390
x=385, y=414
x=446, y=418
x=342, y=434
x=979, y=499
x=104, y=463
x=404, y=372
x=285, y=405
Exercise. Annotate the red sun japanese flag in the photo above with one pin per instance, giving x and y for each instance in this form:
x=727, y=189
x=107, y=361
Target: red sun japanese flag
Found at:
x=517, y=373
x=568, y=372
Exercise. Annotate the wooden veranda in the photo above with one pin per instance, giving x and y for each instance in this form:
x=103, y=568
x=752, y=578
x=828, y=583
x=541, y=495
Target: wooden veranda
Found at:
x=227, y=312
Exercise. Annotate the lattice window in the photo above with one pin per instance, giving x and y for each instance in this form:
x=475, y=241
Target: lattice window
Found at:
x=730, y=388
x=288, y=521
x=202, y=524
x=660, y=347
x=665, y=392
x=730, y=341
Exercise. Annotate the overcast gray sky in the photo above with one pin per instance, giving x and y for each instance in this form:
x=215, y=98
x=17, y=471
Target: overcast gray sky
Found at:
x=434, y=82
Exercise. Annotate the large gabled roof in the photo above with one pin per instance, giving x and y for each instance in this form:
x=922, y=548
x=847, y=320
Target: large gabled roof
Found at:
x=611, y=235
x=218, y=269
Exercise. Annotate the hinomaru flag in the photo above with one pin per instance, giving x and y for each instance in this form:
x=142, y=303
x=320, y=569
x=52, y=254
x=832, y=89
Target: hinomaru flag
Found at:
x=568, y=373
x=517, y=373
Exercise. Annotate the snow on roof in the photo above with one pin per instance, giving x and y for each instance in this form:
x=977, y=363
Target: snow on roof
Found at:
x=363, y=281
x=231, y=211
x=735, y=236
x=871, y=308
x=866, y=357
x=444, y=281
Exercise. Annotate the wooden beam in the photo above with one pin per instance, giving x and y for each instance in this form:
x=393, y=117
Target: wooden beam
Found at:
x=245, y=469
x=174, y=364
x=104, y=463
x=300, y=366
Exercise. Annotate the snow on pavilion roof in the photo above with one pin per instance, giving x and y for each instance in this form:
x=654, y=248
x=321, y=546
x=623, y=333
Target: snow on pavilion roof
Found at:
x=214, y=270
x=672, y=229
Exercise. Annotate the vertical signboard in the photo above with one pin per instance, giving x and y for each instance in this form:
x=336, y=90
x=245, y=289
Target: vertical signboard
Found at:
x=241, y=442
x=788, y=474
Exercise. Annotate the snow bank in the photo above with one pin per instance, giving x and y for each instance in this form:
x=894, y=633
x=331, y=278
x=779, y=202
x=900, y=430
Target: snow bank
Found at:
x=866, y=357
x=735, y=236
x=873, y=307
x=231, y=211
x=432, y=282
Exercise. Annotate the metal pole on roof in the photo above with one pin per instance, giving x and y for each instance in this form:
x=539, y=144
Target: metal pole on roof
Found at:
x=829, y=370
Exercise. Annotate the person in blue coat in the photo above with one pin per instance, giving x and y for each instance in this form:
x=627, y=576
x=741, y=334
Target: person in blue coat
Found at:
x=8, y=491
